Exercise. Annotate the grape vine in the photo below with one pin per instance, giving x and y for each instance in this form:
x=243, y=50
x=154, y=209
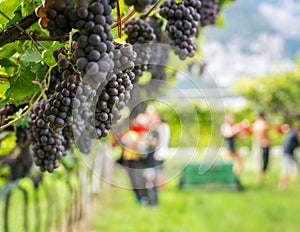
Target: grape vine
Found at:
x=83, y=93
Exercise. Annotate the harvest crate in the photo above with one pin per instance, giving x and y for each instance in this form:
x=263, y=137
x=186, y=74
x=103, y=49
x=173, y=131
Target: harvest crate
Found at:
x=209, y=175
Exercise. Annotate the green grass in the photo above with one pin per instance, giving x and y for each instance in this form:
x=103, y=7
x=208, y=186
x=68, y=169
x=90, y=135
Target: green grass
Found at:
x=257, y=208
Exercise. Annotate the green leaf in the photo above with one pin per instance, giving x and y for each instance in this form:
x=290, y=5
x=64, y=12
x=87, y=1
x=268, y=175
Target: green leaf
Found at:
x=8, y=50
x=31, y=55
x=8, y=7
x=21, y=85
x=16, y=18
x=39, y=71
x=48, y=54
x=28, y=6
x=3, y=87
x=7, y=63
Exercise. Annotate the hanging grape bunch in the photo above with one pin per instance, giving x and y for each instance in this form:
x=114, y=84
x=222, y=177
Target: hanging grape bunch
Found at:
x=94, y=53
x=69, y=95
x=115, y=94
x=209, y=11
x=140, y=34
x=47, y=145
x=58, y=16
x=182, y=25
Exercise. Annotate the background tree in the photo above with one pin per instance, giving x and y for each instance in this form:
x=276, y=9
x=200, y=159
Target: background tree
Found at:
x=277, y=94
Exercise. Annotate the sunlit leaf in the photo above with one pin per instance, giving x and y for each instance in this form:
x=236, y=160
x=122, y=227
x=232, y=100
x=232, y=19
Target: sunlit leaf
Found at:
x=8, y=7
x=31, y=55
x=48, y=54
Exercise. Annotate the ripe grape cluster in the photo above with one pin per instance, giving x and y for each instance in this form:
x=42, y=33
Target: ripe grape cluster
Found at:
x=57, y=16
x=68, y=106
x=94, y=41
x=139, y=5
x=183, y=22
x=68, y=98
x=140, y=34
x=114, y=94
x=47, y=145
x=209, y=11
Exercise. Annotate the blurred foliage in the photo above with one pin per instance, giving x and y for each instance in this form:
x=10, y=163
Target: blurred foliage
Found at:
x=192, y=125
x=276, y=94
x=199, y=124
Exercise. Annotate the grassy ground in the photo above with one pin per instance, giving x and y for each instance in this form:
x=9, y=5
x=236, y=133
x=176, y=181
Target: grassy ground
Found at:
x=257, y=208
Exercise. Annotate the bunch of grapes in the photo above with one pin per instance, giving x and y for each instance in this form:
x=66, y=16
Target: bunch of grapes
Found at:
x=139, y=5
x=115, y=94
x=183, y=22
x=57, y=16
x=140, y=34
x=47, y=145
x=209, y=12
x=67, y=101
x=94, y=41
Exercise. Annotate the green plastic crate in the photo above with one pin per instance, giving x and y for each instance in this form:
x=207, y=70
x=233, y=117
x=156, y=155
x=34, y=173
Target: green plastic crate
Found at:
x=208, y=175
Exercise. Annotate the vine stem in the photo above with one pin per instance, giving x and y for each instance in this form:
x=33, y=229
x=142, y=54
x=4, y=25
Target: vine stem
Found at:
x=146, y=14
x=21, y=30
x=15, y=120
x=119, y=20
x=44, y=38
x=11, y=33
x=125, y=18
x=25, y=113
x=4, y=77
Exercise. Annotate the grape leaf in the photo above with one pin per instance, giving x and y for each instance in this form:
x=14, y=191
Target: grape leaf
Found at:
x=16, y=18
x=21, y=85
x=8, y=7
x=8, y=50
x=31, y=55
x=3, y=87
x=7, y=63
x=28, y=6
x=47, y=54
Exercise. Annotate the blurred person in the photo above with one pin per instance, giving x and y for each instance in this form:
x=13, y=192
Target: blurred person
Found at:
x=131, y=159
x=150, y=143
x=161, y=128
x=162, y=150
x=261, y=129
x=289, y=157
x=230, y=130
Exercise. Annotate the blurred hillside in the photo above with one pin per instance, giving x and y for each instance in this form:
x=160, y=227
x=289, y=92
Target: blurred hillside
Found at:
x=259, y=37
